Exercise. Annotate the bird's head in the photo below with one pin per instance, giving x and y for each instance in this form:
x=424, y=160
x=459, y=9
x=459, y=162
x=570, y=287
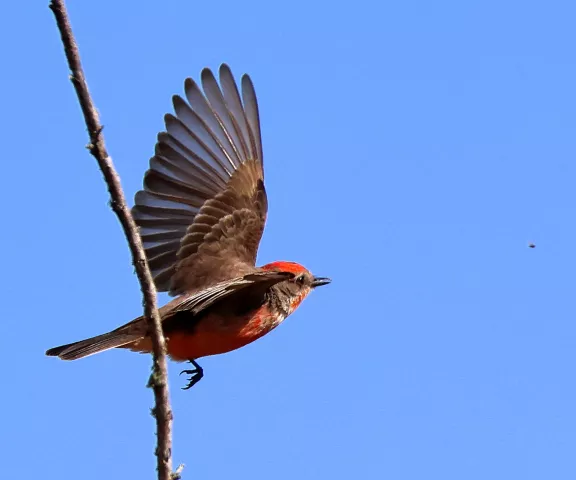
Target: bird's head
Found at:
x=299, y=286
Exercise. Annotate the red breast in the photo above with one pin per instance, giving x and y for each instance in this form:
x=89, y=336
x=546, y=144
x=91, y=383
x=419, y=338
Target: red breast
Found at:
x=216, y=334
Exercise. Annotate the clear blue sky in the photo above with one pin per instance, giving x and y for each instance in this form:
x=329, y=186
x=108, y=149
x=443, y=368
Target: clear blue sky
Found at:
x=412, y=150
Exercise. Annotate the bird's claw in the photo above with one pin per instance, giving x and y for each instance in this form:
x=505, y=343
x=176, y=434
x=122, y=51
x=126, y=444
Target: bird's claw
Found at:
x=195, y=375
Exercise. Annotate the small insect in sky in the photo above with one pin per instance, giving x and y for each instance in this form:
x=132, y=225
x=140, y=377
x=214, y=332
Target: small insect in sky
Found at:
x=531, y=245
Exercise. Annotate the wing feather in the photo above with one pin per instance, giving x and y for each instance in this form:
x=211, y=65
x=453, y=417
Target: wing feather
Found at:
x=203, y=207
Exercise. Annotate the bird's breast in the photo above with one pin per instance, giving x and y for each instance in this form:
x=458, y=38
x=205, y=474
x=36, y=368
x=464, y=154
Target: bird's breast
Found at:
x=220, y=333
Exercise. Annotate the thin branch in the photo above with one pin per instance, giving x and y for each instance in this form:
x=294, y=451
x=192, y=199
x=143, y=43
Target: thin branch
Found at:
x=97, y=147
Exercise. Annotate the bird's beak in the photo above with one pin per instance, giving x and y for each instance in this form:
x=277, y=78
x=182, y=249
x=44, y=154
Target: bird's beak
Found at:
x=319, y=281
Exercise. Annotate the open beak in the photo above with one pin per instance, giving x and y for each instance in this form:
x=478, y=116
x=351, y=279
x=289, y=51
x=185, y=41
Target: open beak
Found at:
x=319, y=281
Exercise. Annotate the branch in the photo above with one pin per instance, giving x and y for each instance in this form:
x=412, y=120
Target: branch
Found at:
x=97, y=147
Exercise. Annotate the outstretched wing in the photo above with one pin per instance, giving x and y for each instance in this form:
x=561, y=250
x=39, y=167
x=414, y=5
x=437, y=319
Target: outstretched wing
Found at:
x=203, y=207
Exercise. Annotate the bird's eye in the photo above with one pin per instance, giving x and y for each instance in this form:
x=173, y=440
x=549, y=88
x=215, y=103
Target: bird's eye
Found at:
x=300, y=279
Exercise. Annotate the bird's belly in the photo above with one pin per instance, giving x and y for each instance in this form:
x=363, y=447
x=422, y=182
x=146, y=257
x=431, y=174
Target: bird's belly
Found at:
x=214, y=335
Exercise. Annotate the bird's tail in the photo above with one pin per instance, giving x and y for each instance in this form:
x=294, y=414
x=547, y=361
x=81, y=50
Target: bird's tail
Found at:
x=90, y=346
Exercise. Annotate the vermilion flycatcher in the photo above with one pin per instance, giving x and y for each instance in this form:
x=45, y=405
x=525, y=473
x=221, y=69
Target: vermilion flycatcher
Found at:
x=201, y=215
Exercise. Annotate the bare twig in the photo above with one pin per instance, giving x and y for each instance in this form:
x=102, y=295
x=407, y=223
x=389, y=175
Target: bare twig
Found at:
x=159, y=377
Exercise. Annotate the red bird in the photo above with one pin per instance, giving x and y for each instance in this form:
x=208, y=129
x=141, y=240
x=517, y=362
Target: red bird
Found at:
x=201, y=216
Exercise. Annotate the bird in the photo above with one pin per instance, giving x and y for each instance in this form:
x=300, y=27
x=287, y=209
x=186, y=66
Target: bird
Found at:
x=201, y=215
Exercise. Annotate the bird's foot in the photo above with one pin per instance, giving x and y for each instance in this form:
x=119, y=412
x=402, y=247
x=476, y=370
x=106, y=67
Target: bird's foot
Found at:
x=195, y=375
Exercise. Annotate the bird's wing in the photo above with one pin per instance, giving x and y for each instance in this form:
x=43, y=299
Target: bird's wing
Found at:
x=200, y=301
x=203, y=207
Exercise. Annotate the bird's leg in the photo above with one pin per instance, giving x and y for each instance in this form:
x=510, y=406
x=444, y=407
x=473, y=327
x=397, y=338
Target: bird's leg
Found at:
x=195, y=375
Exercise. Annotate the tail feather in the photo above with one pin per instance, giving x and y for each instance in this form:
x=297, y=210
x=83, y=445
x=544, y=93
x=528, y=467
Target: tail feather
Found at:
x=90, y=346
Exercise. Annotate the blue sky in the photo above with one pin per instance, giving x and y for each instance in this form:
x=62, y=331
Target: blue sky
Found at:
x=412, y=150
